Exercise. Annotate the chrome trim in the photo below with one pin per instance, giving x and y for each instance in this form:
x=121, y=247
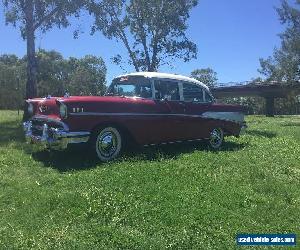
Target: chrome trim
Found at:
x=157, y=114
x=46, y=119
x=107, y=144
x=153, y=88
x=172, y=142
x=53, y=137
x=223, y=115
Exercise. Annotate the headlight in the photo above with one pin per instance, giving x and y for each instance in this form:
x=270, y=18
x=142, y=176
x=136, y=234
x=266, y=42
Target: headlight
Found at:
x=63, y=111
x=30, y=109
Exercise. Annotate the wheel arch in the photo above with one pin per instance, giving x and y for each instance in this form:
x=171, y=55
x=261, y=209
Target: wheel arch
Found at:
x=122, y=129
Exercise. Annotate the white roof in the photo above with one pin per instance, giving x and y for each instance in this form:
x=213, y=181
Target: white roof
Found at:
x=165, y=76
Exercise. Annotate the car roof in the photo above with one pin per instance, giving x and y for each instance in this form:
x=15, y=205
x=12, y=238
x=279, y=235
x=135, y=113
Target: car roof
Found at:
x=165, y=76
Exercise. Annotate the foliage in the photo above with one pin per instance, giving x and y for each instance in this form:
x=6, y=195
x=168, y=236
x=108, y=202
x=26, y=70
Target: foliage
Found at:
x=56, y=75
x=207, y=76
x=12, y=81
x=31, y=15
x=88, y=76
x=152, y=31
x=254, y=105
x=177, y=196
x=46, y=13
x=284, y=65
x=82, y=76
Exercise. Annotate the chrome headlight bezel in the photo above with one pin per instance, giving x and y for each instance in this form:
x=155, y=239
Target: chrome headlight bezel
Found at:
x=63, y=111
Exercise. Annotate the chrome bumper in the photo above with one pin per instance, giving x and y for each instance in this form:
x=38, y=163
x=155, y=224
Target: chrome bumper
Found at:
x=54, y=138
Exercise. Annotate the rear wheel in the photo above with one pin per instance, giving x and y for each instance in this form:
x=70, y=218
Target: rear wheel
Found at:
x=216, y=138
x=108, y=143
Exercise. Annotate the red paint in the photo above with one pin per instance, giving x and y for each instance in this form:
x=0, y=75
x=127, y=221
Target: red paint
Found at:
x=163, y=120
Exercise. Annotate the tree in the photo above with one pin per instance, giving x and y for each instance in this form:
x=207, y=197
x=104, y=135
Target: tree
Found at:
x=12, y=84
x=52, y=74
x=87, y=77
x=206, y=76
x=284, y=65
x=31, y=15
x=152, y=31
x=55, y=76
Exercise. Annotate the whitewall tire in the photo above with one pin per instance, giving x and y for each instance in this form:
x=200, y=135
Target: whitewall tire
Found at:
x=216, y=138
x=108, y=143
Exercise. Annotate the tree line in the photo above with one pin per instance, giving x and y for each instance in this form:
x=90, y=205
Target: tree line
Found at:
x=55, y=76
x=153, y=32
x=283, y=67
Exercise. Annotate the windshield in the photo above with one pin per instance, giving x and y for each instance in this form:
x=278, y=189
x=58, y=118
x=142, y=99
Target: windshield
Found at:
x=131, y=87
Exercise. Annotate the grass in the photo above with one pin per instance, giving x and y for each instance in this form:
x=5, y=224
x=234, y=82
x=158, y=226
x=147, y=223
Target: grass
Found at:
x=178, y=196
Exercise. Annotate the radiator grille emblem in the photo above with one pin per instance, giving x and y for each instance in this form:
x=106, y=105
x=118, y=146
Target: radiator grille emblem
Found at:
x=43, y=108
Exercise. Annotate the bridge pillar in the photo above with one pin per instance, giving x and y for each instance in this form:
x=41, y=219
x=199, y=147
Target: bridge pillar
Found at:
x=270, y=108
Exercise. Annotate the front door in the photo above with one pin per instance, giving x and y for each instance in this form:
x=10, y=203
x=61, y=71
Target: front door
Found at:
x=172, y=117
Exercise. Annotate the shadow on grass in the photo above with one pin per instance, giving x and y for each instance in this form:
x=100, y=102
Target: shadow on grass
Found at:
x=82, y=159
x=173, y=151
x=261, y=133
x=11, y=131
x=70, y=159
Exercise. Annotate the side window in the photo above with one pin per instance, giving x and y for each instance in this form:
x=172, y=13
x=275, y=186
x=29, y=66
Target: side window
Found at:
x=166, y=89
x=192, y=93
x=208, y=97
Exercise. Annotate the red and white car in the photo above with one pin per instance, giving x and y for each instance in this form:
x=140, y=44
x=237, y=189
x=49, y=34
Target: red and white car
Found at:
x=146, y=108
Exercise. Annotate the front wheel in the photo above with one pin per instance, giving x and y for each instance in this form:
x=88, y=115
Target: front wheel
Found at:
x=216, y=138
x=108, y=143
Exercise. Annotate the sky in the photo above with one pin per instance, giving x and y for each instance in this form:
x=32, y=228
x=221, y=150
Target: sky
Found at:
x=230, y=35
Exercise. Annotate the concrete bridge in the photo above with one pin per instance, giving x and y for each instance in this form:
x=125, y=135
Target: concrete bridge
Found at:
x=268, y=90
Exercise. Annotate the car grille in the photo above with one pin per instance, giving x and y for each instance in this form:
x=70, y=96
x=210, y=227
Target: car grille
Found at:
x=38, y=125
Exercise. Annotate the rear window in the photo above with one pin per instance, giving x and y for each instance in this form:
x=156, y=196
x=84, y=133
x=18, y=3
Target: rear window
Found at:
x=192, y=93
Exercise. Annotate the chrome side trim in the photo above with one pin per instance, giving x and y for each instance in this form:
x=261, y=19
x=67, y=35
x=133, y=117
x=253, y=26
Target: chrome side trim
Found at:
x=224, y=116
x=228, y=116
x=173, y=142
x=123, y=114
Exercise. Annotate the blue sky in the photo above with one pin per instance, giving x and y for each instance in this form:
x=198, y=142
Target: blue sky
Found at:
x=231, y=36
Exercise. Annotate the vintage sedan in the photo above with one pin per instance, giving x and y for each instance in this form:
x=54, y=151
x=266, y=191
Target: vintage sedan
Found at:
x=146, y=108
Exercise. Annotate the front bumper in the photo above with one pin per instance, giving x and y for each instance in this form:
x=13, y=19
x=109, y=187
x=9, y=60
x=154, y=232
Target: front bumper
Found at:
x=51, y=137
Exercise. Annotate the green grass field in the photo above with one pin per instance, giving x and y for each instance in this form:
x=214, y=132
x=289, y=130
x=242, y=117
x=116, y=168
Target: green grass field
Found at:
x=177, y=196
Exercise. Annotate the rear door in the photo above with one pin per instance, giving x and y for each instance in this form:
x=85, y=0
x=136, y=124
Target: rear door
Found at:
x=197, y=101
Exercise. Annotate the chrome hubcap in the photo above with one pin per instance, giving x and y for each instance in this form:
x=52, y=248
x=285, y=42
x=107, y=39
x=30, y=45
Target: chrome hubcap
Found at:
x=216, y=137
x=107, y=143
